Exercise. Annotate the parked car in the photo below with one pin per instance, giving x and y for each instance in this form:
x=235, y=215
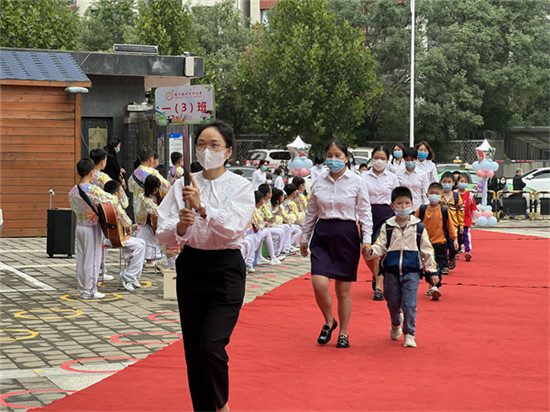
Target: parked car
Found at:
x=274, y=156
x=536, y=180
x=247, y=171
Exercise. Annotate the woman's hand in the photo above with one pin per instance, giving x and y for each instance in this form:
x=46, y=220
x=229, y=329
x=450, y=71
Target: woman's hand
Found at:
x=303, y=249
x=187, y=218
x=366, y=250
x=191, y=194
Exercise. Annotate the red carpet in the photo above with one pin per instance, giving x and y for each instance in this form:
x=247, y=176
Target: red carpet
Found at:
x=483, y=347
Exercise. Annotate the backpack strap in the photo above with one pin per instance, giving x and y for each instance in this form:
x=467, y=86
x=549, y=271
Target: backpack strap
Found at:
x=389, y=232
x=139, y=182
x=422, y=212
x=419, y=230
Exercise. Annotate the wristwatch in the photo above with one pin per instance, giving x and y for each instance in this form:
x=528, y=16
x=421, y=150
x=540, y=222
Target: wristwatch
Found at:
x=202, y=209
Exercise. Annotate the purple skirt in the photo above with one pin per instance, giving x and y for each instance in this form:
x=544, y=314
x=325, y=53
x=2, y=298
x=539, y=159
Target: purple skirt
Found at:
x=335, y=249
x=380, y=213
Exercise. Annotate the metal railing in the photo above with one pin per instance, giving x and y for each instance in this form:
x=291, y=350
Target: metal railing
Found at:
x=515, y=204
x=542, y=205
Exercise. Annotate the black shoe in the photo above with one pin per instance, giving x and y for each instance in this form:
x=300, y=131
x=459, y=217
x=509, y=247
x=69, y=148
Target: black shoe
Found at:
x=452, y=264
x=326, y=333
x=378, y=295
x=343, y=341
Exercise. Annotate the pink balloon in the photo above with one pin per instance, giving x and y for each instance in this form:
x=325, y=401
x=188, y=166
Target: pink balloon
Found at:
x=295, y=172
x=487, y=213
x=489, y=173
x=477, y=213
x=304, y=172
x=481, y=173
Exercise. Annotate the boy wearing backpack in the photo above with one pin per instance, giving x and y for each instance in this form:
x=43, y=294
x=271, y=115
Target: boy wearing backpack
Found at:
x=453, y=202
x=440, y=229
x=405, y=243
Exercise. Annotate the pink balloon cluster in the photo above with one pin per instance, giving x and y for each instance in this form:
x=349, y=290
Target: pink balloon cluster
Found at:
x=484, y=213
x=300, y=172
x=485, y=173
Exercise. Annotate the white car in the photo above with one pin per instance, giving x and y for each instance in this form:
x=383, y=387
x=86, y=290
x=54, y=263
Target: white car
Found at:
x=537, y=180
x=273, y=156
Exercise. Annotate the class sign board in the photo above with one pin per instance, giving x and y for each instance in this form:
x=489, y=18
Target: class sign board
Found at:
x=185, y=105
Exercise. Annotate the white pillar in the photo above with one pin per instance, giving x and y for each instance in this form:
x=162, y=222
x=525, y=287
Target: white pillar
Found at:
x=411, y=126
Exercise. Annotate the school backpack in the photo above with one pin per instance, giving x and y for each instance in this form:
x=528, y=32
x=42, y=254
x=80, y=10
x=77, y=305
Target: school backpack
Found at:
x=444, y=213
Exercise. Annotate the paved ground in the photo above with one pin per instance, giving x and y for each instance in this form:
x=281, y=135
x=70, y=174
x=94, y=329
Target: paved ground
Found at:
x=53, y=343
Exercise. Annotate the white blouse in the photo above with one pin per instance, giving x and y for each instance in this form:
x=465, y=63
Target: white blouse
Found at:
x=417, y=182
x=380, y=187
x=229, y=203
x=396, y=166
x=279, y=183
x=345, y=199
x=315, y=172
x=428, y=167
x=258, y=177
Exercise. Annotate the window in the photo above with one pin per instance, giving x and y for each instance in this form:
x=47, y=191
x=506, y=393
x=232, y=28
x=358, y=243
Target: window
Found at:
x=280, y=155
x=258, y=156
x=542, y=175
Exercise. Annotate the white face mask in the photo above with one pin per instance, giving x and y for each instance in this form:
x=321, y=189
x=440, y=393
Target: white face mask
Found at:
x=379, y=164
x=210, y=159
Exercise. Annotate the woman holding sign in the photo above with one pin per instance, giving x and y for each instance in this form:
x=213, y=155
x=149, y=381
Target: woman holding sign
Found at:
x=211, y=272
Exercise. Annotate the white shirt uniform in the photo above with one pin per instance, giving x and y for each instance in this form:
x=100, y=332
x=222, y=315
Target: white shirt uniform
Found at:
x=417, y=182
x=396, y=166
x=229, y=203
x=380, y=187
x=279, y=183
x=428, y=167
x=346, y=199
x=315, y=172
x=258, y=177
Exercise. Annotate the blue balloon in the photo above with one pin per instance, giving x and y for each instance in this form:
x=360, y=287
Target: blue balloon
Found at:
x=491, y=221
x=308, y=164
x=495, y=166
x=486, y=165
x=475, y=165
x=481, y=221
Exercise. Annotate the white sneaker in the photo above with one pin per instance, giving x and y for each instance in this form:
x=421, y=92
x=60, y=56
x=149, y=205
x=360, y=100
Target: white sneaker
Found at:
x=281, y=257
x=275, y=262
x=436, y=294
x=409, y=341
x=128, y=286
x=395, y=332
x=136, y=284
x=108, y=277
x=429, y=292
x=98, y=295
x=250, y=269
x=262, y=261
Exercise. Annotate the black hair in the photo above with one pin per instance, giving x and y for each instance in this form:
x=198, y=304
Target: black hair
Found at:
x=278, y=171
x=195, y=167
x=238, y=172
x=223, y=128
x=261, y=163
x=431, y=154
x=98, y=155
x=151, y=183
x=276, y=198
x=258, y=196
x=290, y=188
x=298, y=181
x=145, y=153
x=401, y=146
x=110, y=148
x=85, y=166
x=319, y=160
x=465, y=176
x=447, y=174
x=112, y=186
x=264, y=188
x=435, y=185
x=176, y=157
x=381, y=148
x=401, y=191
x=410, y=152
x=155, y=155
x=363, y=165
x=339, y=144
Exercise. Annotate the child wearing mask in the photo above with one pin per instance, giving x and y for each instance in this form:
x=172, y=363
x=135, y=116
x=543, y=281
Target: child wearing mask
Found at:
x=453, y=202
x=413, y=178
x=469, y=218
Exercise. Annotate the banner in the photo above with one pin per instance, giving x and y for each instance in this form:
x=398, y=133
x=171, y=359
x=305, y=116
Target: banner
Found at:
x=185, y=105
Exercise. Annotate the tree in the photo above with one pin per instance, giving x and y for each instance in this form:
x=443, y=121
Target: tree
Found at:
x=307, y=75
x=385, y=25
x=222, y=38
x=105, y=23
x=485, y=60
x=166, y=24
x=45, y=24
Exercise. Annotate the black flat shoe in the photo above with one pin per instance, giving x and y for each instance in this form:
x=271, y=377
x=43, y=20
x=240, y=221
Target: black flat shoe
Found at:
x=343, y=341
x=326, y=333
x=378, y=295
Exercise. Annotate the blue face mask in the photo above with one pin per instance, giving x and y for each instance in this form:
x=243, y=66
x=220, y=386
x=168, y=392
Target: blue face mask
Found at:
x=403, y=212
x=422, y=155
x=463, y=185
x=447, y=186
x=410, y=165
x=264, y=168
x=397, y=155
x=319, y=166
x=335, y=165
x=434, y=199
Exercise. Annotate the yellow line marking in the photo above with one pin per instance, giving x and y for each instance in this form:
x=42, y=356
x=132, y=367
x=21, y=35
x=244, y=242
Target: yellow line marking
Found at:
x=75, y=314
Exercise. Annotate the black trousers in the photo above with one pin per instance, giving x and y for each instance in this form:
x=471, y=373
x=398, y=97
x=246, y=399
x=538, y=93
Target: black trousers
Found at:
x=440, y=252
x=210, y=289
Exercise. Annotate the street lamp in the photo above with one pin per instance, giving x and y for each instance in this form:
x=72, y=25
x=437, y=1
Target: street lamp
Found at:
x=411, y=125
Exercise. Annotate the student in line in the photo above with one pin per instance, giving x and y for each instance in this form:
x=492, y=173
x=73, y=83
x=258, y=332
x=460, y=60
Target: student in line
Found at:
x=469, y=203
x=146, y=216
x=413, y=178
x=397, y=162
x=425, y=161
x=453, y=202
x=330, y=230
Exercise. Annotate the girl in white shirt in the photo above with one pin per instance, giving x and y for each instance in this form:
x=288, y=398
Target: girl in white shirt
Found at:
x=337, y=199
x=259, y=176
x=413, y=178
x=279, y=182
x=380, y=183
x=398, y=161
x=425, y=161
x=211, y=272
x=318, y=169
